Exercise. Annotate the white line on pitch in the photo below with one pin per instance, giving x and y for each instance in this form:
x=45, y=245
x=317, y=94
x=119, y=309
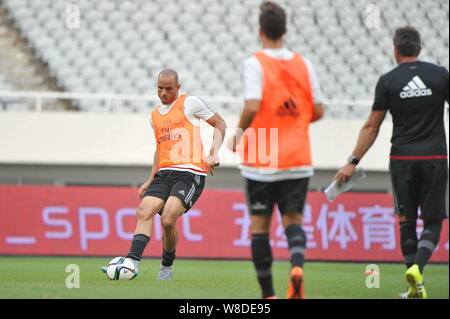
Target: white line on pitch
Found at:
x=21, y=240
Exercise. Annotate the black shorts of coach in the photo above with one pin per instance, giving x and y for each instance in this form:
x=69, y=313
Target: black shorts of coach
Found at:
x=289, y=195
x=420, y=184
x=184, y=185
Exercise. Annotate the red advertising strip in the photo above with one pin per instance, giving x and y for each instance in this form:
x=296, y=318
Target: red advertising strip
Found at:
x=99, y=221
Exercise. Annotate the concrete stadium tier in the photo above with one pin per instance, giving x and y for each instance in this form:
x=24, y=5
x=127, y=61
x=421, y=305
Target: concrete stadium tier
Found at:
x=120, y=46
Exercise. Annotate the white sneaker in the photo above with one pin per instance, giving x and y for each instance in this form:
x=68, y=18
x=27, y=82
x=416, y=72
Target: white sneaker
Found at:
x=165, y=273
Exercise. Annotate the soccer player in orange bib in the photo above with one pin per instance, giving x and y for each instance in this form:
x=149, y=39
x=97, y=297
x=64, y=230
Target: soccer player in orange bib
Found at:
x=179, y=169
x=282, y=97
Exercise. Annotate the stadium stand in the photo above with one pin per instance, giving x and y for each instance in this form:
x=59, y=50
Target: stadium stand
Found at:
x=120, y=46
x=21, y=70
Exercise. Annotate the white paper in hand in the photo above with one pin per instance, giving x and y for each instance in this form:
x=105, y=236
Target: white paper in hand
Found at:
x=333, y=190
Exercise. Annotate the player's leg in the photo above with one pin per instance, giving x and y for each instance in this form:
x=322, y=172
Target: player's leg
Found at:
x=428, y=242
x=408, y=239
x=186, y=189
x=173, y=209
x=433, y=196
x=434, y=206
x=296, y=238
x=147, y=209
x=262, y=253
x=151, y=204
x=260, y=205
x=408, y=243
x=406, y=204
x=291, y=199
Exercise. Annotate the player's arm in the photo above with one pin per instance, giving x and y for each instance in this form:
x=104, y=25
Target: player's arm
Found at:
x=316, y=91
x=369, y=131
x=212, y=160
x=253, y=79
x=366, y=138
x=143, y=188
x=155, y=168
x=318, y=112
x=446, y=86
x=201, y=110
x=251, y=107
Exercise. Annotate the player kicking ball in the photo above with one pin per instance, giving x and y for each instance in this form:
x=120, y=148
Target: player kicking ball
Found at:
x=180, y=168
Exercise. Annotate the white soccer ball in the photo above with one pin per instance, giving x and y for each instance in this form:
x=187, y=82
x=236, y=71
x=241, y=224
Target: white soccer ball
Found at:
x=121, y=268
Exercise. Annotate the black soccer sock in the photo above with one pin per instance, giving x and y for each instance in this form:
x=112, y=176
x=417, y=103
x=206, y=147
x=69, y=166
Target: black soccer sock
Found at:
x=262, y=260
x=138, y=245
x=427, y=243
x=297, y=244
x=408, y=242
x=168, y=258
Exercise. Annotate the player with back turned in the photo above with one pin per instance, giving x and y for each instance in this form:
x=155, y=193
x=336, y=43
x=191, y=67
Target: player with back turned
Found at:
x=414, y=93
x=282, y=97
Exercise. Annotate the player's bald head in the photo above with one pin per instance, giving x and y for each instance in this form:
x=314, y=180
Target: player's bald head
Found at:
x=168, y=75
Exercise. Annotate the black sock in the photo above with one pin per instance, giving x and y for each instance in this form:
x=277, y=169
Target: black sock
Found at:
x=138, y=245
x=167, y=258
x=408, y=242
x=297, y=244
x=262, y=260
x=427, y=243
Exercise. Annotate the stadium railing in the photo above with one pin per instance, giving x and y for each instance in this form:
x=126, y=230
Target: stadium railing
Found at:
x=39, y=96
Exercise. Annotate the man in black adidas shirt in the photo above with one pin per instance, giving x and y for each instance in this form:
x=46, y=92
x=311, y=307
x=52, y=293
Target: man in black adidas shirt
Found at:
x=414, y=93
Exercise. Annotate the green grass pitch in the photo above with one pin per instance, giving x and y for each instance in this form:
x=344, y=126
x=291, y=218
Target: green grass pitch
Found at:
x=45, y=277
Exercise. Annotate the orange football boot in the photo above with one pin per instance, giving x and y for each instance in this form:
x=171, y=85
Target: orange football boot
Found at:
x=295, y=290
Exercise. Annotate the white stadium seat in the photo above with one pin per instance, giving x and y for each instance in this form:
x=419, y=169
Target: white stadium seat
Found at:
x=122, y=45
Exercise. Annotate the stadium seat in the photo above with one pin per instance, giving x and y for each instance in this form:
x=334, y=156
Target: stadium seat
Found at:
x=206, y=40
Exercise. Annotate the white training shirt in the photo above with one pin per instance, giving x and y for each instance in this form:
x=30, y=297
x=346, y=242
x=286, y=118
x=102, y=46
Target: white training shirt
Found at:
x=195, y=110
x=254, y=77
x=253, y=85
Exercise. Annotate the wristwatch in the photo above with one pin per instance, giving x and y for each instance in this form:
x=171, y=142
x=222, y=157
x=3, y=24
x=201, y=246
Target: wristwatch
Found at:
x=353, y=160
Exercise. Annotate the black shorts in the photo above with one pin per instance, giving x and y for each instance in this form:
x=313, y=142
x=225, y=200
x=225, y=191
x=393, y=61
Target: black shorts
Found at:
x=420, y=184
x=290, y=195
x=184, y=185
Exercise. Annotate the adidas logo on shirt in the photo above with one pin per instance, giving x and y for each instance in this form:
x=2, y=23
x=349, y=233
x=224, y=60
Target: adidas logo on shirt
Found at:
x=415, y=88
x=259, y=206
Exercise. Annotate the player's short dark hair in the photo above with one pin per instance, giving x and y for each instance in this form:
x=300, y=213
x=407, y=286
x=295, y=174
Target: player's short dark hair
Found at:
x=407, y=40
x=272, y=20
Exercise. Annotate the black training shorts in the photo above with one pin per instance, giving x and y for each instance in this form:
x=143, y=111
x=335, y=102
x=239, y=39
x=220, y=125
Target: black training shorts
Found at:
x=290, y=195
x=420, y=184
x=184, y=185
